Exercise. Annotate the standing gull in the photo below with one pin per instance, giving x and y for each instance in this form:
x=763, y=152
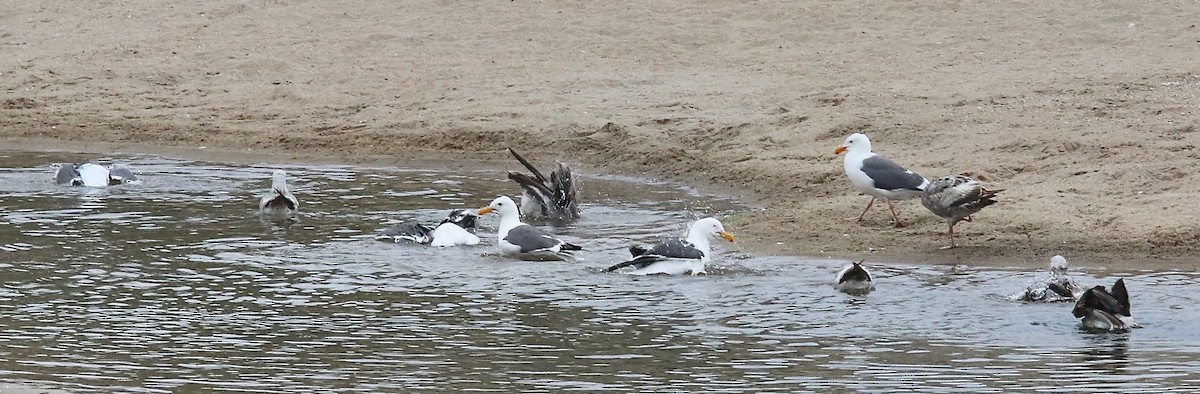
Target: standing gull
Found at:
x=854, y=279
x=555, y=198
x=280, y=200
x=523, y=241
x=1104, y=310
x=955, y=198
x=877, y=176
x=675, y=256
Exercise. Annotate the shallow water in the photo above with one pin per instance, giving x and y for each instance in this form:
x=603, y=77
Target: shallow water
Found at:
x=177, y=285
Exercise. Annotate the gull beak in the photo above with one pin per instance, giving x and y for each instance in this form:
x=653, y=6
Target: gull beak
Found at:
x=839, y=149
x=727, y=235
x=484, y=211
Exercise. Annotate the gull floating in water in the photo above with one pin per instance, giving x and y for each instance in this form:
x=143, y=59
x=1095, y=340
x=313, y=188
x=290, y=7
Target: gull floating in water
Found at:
x=955, y=198
x=854, y=279
x=556, y=198
x=523, y=241
x=674, y=256
x=94, y=175
x=1054, y=286
x=877, y=176
x=456, y=229
x=1105, y=311
x=279, y=200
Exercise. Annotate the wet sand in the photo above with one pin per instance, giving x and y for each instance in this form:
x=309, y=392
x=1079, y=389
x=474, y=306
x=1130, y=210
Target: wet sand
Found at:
x=1085, y=113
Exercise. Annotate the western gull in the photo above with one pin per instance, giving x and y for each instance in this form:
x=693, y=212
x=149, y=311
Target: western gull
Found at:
x=94, y=175
x=523, y=241
x=556, y=198
x=854, y=279
x=877, y=176
x=456, y=229
x=956, y=198
x=675, y=256
x=1105, y=311
x=1054, y=286
x=279, y=200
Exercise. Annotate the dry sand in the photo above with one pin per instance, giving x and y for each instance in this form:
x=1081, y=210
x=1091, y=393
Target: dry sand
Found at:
x=1085, y=112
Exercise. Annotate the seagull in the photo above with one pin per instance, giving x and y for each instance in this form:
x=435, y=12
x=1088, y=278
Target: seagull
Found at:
x=280, y=200
x=555, y=199
x=854, y=279
x=94, y=175
x=456, y=229
x=1055, y=286
x=1105, y=311
x=523, y=241
x=955, y=198
x=675, y=256
x=877, y=176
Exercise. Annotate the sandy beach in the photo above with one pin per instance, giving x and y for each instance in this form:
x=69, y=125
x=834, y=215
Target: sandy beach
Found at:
x=1084, y=112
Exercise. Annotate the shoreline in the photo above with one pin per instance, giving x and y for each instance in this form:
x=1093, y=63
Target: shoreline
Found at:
x=749, y=239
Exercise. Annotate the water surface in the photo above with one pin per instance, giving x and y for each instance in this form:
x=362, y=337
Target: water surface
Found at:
x=177, y=285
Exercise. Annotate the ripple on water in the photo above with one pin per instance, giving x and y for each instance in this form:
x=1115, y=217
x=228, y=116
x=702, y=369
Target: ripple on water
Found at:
x=177, y=285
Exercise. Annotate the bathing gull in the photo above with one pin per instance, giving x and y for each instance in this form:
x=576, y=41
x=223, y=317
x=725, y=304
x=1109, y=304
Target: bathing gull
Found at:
x=854, y=279
x=1054, y=286
x=675, y=256
x=955, y=198
x=877, y=176
x=456, y=229
x=523, y=241
x=94, y=175
x=555, y=198
x=279, y=200
x=1104, y=310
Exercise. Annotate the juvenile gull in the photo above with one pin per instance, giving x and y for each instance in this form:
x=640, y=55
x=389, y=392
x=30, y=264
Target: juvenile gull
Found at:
x=556, y=198
x=675, y=256
x=877, y=176
x=854, y=279
x=523, y=241
x=456, y=229
x=955, y=198
x=279, y=200
x=1103, y=310
x=1054, y=286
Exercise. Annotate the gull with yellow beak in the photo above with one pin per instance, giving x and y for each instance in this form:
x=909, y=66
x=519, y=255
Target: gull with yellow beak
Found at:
x=674, y=256
x=877, y=176
x=523, y=241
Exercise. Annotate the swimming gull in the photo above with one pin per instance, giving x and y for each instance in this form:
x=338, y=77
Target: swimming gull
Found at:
x=674, y=256
x=854, y=279
x=556, y=198
x=523, y=241
x=1053, y=286
x=94, y=175
x=877, y=176
x=456, y=229
x=1105, y=311
x=956, y=198
x=279, y=200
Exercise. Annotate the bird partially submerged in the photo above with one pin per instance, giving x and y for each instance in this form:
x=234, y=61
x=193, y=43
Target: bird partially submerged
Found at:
x=1105, y=311
x=555, y=198
x=94, y=175
x=1054, y=286
x=955, y=198
x=457, y=228
x=279, y=200
x=674, y=256
x=854, y=279
x=523, y=241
